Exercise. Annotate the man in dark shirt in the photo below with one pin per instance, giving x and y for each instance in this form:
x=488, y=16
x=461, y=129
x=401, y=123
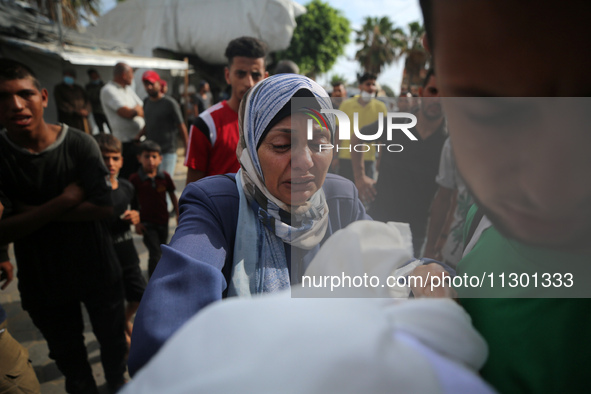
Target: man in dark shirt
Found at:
x=93, y=91
x=164, y=121
x=406, y=182
x=55, y=195
x=72, y=103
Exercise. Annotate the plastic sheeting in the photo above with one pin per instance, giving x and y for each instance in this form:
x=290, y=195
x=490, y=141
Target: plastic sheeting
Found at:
x=89, y=57
x=200, y=27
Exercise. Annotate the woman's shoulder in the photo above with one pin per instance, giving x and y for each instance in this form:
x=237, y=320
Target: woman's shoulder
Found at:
x=219, y=189
x=211, y=201
x=337, y=187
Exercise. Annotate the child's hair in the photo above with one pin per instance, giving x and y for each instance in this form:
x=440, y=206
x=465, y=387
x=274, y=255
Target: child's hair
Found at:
x=108, y=143
x=149, y=146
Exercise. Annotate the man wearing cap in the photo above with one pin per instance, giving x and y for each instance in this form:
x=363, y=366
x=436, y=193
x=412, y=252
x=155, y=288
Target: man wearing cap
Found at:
x=163, y=120
x=124, y=110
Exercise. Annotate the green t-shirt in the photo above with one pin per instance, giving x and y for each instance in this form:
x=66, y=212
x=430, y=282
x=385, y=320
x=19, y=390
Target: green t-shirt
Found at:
x=540, y=345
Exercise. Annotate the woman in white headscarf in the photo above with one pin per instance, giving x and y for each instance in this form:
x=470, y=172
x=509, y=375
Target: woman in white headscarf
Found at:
x=254, y=232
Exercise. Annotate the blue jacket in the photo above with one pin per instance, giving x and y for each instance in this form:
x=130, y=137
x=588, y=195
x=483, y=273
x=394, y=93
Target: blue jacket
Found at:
x=193, y=269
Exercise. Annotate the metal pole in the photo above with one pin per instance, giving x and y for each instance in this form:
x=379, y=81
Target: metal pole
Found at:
x=60, y=22
x=188, y=107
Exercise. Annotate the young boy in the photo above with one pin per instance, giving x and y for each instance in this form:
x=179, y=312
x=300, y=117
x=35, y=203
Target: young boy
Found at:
x=518, y=120
x=123, y=195
x=152, y=185
x=56, y=198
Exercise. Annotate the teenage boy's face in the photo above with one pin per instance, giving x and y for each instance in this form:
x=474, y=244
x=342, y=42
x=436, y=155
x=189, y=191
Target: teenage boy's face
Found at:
x=21, y=105
x=244, y=73
x=369, y=86
x=113, y=161
x=530, y=174
x=150, y=161
x=339, y=91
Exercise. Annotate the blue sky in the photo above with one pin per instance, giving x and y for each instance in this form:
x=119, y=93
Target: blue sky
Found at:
x=401, y=12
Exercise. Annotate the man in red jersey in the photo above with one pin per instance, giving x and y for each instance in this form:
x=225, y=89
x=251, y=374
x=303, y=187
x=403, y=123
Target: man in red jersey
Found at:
x=214, y=134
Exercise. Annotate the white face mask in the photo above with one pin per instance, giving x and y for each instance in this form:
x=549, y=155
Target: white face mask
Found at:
x=366, y=95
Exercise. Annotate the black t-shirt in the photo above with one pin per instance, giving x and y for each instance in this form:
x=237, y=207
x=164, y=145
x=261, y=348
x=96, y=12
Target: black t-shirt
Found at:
x=61, y=259
x=123, y=197
x=406, y=182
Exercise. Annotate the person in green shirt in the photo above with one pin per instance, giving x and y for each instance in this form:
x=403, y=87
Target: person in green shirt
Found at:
x=526, y=162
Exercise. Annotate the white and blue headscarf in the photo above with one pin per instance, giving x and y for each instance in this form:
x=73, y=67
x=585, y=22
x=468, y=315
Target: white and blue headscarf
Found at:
x=260, y=264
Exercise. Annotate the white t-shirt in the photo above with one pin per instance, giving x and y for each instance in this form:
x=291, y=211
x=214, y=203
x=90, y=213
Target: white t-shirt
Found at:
x=115, y=96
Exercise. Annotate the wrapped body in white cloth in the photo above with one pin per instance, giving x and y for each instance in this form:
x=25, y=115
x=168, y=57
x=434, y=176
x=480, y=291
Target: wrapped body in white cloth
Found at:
x=292, y=343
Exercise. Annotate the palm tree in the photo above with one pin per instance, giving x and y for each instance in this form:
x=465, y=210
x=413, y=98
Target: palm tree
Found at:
x=73, y=11
x=414, y=52
x=380, y=43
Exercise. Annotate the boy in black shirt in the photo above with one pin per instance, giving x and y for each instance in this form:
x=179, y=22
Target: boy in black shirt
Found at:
x=55, y=194
x=123, y=195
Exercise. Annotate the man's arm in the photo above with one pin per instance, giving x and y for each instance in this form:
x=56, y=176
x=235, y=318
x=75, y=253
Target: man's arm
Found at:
x=199, y=151
x=87, y=211
x=184, y=134
x=365, y=184
x=194, y=175
x=439, y=221
x=29, y=221
x=131, y=216
x=140, y=134
x=6, y=274
x=130, y=113
x=86, y=107
x=6, y=271
x=180, y=121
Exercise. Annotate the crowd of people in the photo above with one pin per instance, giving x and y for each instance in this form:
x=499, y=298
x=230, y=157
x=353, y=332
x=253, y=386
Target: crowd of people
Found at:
x=279, y=186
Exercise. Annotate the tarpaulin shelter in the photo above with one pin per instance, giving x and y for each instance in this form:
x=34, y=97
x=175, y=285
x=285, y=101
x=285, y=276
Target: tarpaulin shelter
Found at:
x=31, y=38
x=198, y=27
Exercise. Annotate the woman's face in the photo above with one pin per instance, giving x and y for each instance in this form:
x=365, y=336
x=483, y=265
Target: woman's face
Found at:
x=293, y=167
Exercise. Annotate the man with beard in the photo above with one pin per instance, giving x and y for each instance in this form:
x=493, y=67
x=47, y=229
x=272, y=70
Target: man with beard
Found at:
x=406, y=183
x=163, y=121
x=214, y=135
